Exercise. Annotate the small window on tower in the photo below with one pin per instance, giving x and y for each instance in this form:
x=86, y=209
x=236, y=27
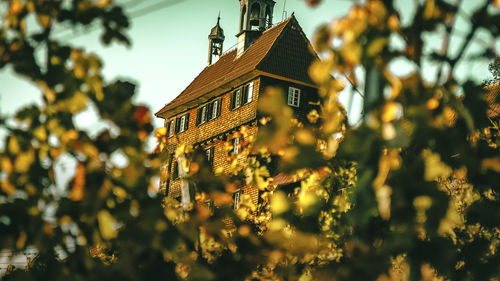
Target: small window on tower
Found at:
x=293, y=96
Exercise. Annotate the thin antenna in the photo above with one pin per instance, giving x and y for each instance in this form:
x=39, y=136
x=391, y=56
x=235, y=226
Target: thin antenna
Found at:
x=284, y=14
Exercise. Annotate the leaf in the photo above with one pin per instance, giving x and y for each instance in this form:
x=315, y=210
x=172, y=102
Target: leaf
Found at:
x=107, y=225
x=77, y=191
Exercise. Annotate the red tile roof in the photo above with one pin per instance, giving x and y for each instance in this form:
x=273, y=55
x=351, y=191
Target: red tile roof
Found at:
x=269, y=53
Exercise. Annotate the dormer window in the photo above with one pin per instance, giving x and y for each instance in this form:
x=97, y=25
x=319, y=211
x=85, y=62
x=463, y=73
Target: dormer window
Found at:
x=294, y=96
x=171, y=128
x=182, y=123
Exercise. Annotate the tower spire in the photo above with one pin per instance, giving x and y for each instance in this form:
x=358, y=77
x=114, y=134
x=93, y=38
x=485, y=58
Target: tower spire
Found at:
x=255, y=17
x=216, y=41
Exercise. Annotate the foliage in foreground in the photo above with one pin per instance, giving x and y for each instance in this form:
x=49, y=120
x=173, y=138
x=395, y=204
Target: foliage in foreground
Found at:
x=409, y=193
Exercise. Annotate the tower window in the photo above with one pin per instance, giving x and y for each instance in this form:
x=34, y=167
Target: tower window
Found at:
x=293, y=96
x=182, y=123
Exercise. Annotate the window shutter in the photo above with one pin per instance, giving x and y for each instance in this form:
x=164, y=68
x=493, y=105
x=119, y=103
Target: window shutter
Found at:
x=175, y=174
x=244, y=94
x=198, y=116
x=231, y=102
x=177, y=124
x=250, y=92
x=186, y=124
x=219, y=106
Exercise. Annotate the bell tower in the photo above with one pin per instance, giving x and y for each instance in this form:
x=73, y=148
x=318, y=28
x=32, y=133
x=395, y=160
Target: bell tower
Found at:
x=255, y=17
x=216, y=40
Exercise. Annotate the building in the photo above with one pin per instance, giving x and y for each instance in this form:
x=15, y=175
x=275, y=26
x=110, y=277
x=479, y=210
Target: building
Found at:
x=224, y=96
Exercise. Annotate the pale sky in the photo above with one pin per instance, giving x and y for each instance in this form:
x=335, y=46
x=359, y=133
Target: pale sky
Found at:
x=169, y=47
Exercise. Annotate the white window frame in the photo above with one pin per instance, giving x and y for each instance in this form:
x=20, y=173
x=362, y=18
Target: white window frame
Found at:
x=182, y=123
x=294, y=96
x=203, y=117
x=215, y=109
x=236, y=145
x=210, y=154
x=171, y=128
x=237, y=98
x=250, y=92
x=237, y=199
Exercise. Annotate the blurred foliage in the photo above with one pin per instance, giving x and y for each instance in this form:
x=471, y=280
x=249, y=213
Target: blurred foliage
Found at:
x=409, y=193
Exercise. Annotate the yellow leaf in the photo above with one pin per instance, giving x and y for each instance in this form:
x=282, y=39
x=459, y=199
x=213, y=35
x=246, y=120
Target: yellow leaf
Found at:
x=6, y=165
x=40, y=133
x=434, y=168
x=352, y=53
x=69, y=136
x=383, y=195
x=13, y=145
x=305, y=137
x=107, y=225
x=77, y=192
x=279, y=203
x=376, y=46
x=7, y=187
x=390, y=111
x=492, y=164
x=21, y=241
x=23, y=161
x=319, y=71
x=432, y=103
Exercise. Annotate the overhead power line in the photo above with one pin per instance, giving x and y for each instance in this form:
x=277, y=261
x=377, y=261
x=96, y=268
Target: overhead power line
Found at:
x=132, y=15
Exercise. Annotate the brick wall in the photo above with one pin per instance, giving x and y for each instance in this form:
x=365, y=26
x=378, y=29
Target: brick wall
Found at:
x=216, y=132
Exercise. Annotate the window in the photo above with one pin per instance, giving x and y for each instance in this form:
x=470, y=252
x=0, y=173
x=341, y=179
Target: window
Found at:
x=171, y=128
x=236, y=99
x=182, y=123
x=210, y=155
x=242, y=95
x=208, y=111
x=175, y=173
x=293, y=96
x=237, y=199
x=215, y=109
x=248, y=93
x=236, y=145
x=202, y=115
